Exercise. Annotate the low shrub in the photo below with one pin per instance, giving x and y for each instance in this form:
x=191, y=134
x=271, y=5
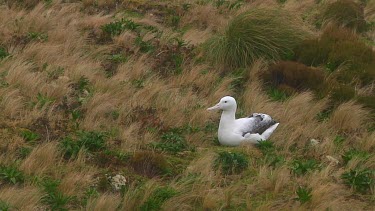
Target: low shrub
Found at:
x=256, y=33
x=231, y=162
x=316, y=51
x=311, y=52
x=367, y=101
x=341, y=93
x=345, y=13
x=339, y=47
x=149, y=164
x=292, y=76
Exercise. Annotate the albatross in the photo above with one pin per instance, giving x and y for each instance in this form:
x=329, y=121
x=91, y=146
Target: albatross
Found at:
x=253, y=129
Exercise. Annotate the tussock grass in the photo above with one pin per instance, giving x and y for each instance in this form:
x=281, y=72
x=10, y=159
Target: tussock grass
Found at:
x=61, y=83
x=254, y=34
x=346, y=13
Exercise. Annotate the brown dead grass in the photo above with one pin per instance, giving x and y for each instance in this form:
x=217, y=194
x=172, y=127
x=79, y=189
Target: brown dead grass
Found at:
x=108, y=202
x=350, y=118
x=204, y=17
x=25, y=198
x=42, y=160
x=136, y=105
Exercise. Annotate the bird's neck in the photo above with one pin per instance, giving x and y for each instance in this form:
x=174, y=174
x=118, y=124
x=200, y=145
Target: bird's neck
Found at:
x=227, y=118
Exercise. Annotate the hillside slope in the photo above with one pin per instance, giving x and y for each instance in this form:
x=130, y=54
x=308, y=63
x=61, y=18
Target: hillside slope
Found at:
x=103, y=104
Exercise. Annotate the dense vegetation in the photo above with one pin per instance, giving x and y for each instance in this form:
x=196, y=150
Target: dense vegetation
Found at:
x=103, y=104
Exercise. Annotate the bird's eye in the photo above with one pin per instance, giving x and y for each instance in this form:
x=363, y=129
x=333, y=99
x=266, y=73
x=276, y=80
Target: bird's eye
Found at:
x=225, y=101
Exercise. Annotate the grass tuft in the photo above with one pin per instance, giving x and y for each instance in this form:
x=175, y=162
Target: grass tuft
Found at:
x=360, y=180
x=346, y=13
x=256, y=33
x=304, y=194
x=158, y=197
x=11, y=175
x=231, y=162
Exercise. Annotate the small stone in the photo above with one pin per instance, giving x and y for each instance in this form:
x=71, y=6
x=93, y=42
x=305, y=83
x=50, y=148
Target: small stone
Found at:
x=118, y=181
x=332, y=159
x=314, y=142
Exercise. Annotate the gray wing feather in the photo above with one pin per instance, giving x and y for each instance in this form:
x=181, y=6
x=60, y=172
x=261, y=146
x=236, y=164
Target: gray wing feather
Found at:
x=261, y=122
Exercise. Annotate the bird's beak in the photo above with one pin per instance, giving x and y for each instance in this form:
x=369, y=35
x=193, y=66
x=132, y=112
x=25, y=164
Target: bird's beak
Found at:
x=215, y=107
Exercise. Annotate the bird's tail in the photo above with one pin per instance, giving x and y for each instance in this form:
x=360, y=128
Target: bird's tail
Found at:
x=267, y=133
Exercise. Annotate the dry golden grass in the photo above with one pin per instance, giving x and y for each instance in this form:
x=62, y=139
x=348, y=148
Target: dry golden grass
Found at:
x=204, y=17
x=44, y=159
x=26, y=198
x=108, y=202
x=52, y=48
x=345, y=120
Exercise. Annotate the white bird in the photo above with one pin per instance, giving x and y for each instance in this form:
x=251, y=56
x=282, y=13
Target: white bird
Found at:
x=253, y=129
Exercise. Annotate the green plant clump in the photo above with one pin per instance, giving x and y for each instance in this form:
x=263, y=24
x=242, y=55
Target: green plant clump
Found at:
x=91, y=141
x=304, y=194
x=29, y=135
x=4, y=206
x=54, y=198
x=172, y=141
x=360, y=180
x=256, y=33
x=231, y=162
x=11, y=175
x=300, y=167
x=158, y=197
x=117, y=27
x=3, y=52
x=354, y=153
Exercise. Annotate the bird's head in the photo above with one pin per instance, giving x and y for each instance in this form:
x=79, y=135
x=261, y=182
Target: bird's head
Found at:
x=226, y=103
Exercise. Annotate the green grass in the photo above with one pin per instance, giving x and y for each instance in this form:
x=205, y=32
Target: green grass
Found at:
x=172, y=141
x=53, y=197
x=117, y=27
x=360, y=180
x=266, y=146
x=231, y=162
x=254, y=34
x=4, y=206
x=3, y=53
x=92, y=141
x=354, y=153
x=301, y=167
x=29, y=135
x=11, y=175
x=158, y=197
x=277, y=95
x=37, y=36
x=304, y=194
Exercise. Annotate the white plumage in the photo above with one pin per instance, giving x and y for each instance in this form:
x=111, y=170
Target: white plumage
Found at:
x=232, y=132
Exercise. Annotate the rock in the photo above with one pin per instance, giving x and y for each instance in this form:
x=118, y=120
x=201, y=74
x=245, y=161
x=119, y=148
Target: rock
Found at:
x=314, y=142
x=332, y=160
